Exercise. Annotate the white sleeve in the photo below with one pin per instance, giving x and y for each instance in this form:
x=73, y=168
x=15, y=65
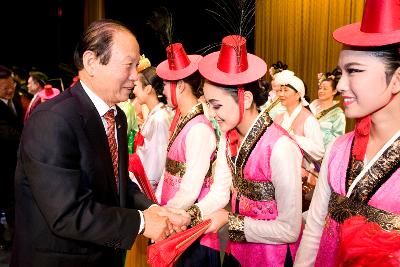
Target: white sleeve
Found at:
x=159, y=188
x=219, y=193
x=312, y=141
x=317, y=212
x=154, y=151
x=200, y=144
x=285, y=168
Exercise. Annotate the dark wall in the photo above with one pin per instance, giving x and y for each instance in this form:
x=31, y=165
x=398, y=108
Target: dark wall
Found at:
x=42, y=34
x=194, y=27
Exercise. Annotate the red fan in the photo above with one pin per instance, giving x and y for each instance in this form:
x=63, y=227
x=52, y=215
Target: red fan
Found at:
x=366, y=244
x=136, y=167
x=167, y=251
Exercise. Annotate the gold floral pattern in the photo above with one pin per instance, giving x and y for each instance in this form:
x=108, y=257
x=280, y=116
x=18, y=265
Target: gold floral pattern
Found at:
x=236, y=228
x=195, y=215
x=340, y=208
x=326, y=111
x=378, y=174
x=177, y=168
x=272, y=105
x=258, y=191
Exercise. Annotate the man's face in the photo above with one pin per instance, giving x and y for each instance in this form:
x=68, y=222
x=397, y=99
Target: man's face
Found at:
x=7, y=88
x=115, y=81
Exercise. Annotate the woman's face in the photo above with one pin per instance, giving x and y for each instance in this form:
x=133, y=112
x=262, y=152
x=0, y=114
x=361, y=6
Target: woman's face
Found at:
x=363, y=83
x=275, y=86
x=326, y=91
x=167, y=93
x=223, y=106
x=288, y=96
x=139, y=91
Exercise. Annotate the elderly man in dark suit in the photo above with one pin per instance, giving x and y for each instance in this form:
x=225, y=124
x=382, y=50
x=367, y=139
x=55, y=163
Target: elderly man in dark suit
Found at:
x=75, y=204
x=10, y=133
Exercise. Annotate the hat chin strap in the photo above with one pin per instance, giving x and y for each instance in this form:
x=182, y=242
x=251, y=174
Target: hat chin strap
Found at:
x=174, y=107
x=361, y=133
x=233, y=135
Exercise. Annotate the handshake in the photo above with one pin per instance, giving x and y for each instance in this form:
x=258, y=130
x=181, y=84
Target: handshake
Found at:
x=161, y=222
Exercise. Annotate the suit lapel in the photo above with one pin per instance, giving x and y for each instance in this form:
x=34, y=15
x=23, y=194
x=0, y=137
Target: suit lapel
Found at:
x=95, y=132
x=9, y=115
x=18, y=106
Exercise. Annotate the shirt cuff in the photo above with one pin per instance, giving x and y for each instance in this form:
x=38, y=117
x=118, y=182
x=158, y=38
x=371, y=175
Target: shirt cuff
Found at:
x=141, y=227
x=142, y=222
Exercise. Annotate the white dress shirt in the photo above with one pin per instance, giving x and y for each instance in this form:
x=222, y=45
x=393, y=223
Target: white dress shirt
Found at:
x=102, y=108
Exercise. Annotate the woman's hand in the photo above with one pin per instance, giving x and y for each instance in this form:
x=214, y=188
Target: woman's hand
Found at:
x=218, y=219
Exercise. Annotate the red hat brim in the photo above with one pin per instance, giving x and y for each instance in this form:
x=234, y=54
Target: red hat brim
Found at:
x=165, y=73
x=209, y=70
x=352, y=36
x=55, y=92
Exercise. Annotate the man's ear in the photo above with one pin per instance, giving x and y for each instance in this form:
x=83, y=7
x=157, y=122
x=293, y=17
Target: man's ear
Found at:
x=248, y=99
x=89, y=62
x=394, y=84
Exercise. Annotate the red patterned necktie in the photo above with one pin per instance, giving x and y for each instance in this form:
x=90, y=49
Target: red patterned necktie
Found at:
x=110, y=119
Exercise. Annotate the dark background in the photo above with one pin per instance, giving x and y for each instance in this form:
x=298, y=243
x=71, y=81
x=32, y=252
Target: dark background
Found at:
x=42, y=34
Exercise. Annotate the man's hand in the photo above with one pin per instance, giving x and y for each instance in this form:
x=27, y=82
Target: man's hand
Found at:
x=178, y=217
x=156, y=226
x=218, y=219
x=161, y=222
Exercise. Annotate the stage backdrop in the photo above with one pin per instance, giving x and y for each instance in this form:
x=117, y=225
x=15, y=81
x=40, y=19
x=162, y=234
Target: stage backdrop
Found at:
x=299, y=33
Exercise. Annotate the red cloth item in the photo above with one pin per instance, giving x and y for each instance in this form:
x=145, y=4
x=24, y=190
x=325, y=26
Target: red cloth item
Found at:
x=136, y=167
x=112, y=142
x=74, y=80
x=366, y=244
x=233, y=135
x=361, y=132
x=233, y=139
x=167, y=251
x=174, y=121
x=138, y=140
x=175, y=107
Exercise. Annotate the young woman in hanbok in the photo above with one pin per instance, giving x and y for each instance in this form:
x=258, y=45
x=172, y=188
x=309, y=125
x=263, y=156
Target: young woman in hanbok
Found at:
x=191, y=151
x=152, y=139
x=327, y=110
x=265, y=219
x=302, y=127
x=354, y=217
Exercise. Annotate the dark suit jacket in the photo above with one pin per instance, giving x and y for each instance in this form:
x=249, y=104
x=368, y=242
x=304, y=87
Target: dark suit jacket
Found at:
x=68, y=211
x=10, y=133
